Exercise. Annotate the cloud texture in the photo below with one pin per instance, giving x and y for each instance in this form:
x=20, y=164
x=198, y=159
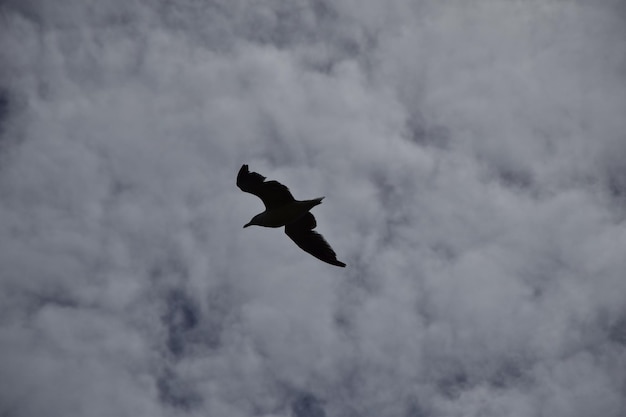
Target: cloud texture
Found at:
x=472, y=155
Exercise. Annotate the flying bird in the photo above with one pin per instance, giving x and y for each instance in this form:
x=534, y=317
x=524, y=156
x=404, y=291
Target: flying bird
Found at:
x=281, y=209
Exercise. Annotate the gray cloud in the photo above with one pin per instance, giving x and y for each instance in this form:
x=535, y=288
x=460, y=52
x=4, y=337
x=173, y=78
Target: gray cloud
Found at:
x=472, y=156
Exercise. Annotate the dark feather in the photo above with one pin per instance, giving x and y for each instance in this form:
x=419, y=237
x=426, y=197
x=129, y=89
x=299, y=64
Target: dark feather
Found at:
x=272, y=193
x=301, y=232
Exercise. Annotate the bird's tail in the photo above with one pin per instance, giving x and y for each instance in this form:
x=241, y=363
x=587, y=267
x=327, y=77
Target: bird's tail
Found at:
x=309, y=204
x=305, y=205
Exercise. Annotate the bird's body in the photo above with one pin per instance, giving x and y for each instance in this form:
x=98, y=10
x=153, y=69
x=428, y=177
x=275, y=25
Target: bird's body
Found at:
x=281, y=209
x=282, y=215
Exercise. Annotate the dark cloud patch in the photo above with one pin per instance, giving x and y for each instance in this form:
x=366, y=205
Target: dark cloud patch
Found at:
x=65, y=15
x=270, y=22
x=420, y=132
x=616, y=183
x=181, y=318
x=307, y=405
x=4, y=109
x=496, y=373
x=192, y=329
x=453, y=384
x=519, y=179
x=510, y=374
x=7, y=139
x=415, y=409
x=55, y=299
x=617, y=332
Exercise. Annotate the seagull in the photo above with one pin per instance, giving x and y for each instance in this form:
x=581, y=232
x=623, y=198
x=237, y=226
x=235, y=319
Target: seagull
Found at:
x=281, y=209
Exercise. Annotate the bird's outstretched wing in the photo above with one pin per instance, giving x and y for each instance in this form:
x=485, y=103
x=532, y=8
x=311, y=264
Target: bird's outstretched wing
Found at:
x=273, y=193
x=301, y=232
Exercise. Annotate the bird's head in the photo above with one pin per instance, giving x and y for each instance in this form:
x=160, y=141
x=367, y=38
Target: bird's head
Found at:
x=254, y=222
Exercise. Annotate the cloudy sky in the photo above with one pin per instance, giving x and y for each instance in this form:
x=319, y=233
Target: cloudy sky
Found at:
x=472, y=155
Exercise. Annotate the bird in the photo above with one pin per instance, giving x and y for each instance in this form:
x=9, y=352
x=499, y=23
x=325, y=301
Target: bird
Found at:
x=281, y=209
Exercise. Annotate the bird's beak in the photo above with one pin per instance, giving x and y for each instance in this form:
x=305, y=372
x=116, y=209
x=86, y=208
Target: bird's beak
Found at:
x=246, y=225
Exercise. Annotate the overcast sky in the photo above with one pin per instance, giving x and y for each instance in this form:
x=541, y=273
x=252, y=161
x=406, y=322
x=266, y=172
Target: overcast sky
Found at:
x=473, y=159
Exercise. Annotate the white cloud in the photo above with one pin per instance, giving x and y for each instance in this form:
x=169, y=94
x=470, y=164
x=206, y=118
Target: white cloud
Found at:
x=471, y=156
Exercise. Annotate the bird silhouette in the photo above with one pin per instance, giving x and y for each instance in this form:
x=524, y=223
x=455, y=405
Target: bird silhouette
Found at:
x=281, y=209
